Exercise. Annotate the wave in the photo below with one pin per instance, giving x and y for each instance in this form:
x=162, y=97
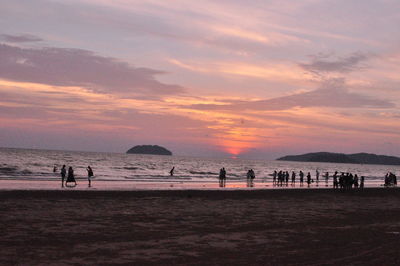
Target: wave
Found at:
x=202, y=173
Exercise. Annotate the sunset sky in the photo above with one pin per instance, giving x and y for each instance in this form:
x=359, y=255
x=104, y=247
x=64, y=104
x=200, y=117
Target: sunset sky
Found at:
x=253, y=79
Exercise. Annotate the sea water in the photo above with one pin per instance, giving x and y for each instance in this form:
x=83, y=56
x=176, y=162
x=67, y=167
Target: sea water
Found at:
x=30, y=164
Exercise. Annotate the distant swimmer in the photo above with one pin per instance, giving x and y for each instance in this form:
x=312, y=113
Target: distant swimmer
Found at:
x=63, y=174
x=89, y=175
x=171, y=172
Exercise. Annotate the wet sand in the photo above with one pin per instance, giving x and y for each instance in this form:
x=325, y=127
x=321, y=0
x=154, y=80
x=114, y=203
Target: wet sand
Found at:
x=200, y=227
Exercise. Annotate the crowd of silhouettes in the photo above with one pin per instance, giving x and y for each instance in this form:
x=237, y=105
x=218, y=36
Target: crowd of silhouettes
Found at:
x=347, y=181
x=281, y=178
x=342, y=181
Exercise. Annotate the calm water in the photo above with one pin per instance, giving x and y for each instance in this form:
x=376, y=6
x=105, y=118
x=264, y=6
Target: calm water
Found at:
x=24, y=164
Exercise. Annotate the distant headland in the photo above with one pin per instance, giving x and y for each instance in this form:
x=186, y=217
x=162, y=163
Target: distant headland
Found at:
x=149, y=149
x=356, y=158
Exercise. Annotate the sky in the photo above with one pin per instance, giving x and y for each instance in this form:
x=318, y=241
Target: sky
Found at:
x=248, y=79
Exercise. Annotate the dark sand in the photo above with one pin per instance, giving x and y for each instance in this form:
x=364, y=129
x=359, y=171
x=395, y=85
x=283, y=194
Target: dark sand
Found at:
x=259, y=227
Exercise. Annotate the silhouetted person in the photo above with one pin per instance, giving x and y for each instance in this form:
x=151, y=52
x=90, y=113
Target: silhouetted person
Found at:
x=222, y=177
x=317, y=175
x=89, y=175
x=301, y=174
x=362, y=182
x=280, y=178
x=308, y=178
x=274, y=175
x=293, y=177
x=70, y=177
x=55, y=168
x=63, y=174
x=341, y=180
x=287, y=177
x=326, y=178
x=250, y=177
x=355, y=181
x=335, y=181
x=172, y=171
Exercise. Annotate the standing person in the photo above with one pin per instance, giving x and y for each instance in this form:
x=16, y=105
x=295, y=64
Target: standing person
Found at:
x=71, y=176
x=274, y=177
x=301, y=174
x=89, y=175
x=63, y=174
x=308, y=178
x=222, y=177
x=317, y=175
x=293, y=178
x=55, y=168
x=248, y=177
x=172, y=171
x=362, y=182
x=326, y=178
x=355, y=181
x=287, y=177
x=335, y=180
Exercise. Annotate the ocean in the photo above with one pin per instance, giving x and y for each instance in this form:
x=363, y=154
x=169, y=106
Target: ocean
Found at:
x=37, y=165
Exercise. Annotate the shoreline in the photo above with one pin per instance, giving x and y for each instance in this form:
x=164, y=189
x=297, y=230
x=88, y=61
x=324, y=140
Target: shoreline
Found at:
x=213, y=193
x=129, y=185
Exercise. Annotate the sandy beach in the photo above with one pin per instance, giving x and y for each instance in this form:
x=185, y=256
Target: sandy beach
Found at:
x=200, y=227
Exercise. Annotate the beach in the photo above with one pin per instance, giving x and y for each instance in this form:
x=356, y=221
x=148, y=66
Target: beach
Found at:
x=200, y=227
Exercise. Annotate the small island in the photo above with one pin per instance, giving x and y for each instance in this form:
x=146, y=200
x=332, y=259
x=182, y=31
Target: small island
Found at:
x=357, y=158
x=149, y=149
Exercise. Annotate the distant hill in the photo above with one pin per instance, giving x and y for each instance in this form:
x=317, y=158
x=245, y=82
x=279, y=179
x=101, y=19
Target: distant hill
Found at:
x=357, y=158
x=149, y=149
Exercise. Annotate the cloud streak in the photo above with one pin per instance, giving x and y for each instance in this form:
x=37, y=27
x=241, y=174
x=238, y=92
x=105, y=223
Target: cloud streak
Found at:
x=77, y=67
x=320, y=63
x=332, y=95
x=19, y=38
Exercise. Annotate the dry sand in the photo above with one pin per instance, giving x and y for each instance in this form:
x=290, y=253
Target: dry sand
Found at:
x=189, y=227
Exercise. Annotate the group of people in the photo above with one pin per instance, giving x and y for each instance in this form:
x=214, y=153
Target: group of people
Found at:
x=390, y=179
x=347, y=181
x=250, y=177
x=284, y=178
x=343, y=181
x=68, y=177
x=281, y=178
x=222, y=177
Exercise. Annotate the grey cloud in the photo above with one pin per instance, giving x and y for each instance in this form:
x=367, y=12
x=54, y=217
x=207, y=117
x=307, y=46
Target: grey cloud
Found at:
x=76, y=67
x=320, y=63
x=333, y=95
x=20, y=38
